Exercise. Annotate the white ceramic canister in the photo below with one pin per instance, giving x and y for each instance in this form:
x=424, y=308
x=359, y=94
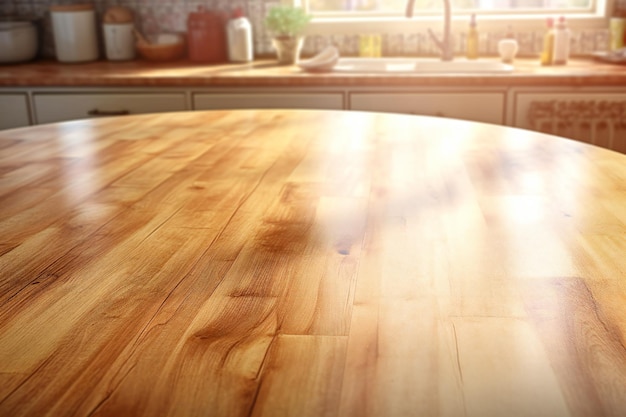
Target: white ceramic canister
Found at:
x=119, y=41
x=74, y=30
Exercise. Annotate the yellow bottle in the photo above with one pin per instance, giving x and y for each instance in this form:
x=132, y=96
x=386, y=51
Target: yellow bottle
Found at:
x=548, y=43
x=472, y=40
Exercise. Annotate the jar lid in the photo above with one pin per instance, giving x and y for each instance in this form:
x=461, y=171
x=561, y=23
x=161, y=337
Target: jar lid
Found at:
x=118, y=14
x=71, y=7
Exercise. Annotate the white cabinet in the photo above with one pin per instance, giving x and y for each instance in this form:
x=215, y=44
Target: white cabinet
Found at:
x=56, y=107
x=268, y=100
x=14, y=111
x=477, y=105
x=595, y=115
x=591, y=115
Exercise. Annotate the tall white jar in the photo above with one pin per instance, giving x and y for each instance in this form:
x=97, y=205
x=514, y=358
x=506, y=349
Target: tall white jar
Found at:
x=560, y=53
x=74, y=31
x=239, y=38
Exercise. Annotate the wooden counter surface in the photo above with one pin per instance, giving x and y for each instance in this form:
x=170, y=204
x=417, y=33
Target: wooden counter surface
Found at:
x=266, y=73
x=309, y=263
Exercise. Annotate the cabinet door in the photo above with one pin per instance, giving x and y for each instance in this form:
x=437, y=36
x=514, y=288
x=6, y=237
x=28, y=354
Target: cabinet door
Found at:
x=476, y=106
x=598, y=118
x=59, y=107
x=312, y=100
x=13, y=111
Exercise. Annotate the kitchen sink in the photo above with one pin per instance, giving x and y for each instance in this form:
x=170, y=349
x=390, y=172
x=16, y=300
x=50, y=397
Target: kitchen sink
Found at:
x=395, y=65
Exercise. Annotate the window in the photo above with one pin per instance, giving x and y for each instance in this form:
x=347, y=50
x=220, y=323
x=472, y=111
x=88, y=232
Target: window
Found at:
x=362, y=16
x=394, y=7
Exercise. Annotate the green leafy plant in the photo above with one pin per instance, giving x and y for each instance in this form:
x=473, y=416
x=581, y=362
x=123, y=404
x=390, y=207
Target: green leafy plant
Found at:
x=287, y=21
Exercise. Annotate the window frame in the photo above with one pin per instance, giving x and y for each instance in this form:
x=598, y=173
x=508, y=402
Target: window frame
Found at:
x=596, y=17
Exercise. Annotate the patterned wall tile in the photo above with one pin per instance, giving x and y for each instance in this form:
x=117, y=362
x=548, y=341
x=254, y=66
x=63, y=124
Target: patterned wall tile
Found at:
x=7, y=9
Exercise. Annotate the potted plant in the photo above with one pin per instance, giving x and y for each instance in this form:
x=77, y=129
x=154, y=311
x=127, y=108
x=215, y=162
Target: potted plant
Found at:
x=287, y=23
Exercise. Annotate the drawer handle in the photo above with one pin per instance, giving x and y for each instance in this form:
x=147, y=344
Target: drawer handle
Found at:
x=96, y=112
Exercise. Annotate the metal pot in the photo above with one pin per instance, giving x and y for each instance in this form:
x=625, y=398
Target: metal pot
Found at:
x=18, y=41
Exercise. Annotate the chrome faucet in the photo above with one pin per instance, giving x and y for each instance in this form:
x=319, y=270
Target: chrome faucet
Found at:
x=443, y=44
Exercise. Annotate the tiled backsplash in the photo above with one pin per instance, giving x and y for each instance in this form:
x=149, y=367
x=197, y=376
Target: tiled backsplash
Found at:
x=151, y=16
x=154, y=16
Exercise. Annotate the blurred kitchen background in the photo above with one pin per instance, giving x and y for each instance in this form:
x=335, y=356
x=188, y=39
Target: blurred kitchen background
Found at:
x=157, y=16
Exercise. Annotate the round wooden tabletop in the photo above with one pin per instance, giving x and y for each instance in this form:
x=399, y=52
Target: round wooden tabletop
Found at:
x=309, y=263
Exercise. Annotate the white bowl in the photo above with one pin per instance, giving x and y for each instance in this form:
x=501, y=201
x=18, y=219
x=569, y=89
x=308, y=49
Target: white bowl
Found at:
x=322, y=62
x=18, y=42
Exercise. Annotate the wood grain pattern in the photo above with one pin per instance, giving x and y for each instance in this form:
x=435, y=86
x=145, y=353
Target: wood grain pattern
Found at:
x=139, y=73
x=309, y=263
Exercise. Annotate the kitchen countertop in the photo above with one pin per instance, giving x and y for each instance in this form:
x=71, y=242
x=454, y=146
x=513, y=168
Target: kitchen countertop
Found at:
x=578, y=72
x=309, y=263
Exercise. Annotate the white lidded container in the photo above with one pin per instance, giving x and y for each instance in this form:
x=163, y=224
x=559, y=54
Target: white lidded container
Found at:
x=119, y=33
x=74, y=31
x=119, y=41
x=239, y=38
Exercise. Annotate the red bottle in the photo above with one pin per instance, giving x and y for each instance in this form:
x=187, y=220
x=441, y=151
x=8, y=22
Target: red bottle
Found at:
x=206, y=37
